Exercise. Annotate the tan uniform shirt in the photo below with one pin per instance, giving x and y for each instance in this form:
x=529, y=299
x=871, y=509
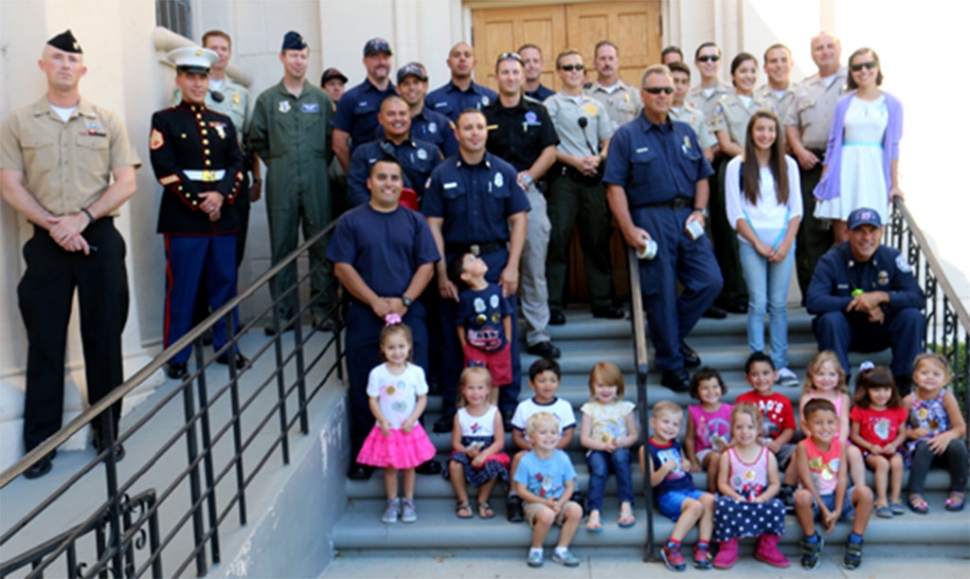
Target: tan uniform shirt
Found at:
x=780, y=104
x=565, y=111
x=732, y=115
x=814, y=107
x=66, y=166
x=234, y=105
x=705, y=104
x=693, y=117
x=621, y=100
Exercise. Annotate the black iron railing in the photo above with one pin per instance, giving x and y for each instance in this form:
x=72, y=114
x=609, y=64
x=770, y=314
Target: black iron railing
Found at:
x=197, y=461
x=947, y=321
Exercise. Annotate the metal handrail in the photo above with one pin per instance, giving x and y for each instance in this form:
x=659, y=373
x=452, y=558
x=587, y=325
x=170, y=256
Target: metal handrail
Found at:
x=119, y=531
x=642, y=368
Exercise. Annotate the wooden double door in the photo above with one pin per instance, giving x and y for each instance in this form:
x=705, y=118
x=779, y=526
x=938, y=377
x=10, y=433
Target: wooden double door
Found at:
x=635, y=28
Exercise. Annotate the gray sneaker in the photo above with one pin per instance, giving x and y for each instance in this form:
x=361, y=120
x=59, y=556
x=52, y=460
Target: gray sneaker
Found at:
x=392, y=511
x=407, y=511
x=534, y=559
x=786, y=378
x=567, y=559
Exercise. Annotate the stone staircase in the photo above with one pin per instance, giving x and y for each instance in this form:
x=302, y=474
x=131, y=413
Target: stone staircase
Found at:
x=585, y=341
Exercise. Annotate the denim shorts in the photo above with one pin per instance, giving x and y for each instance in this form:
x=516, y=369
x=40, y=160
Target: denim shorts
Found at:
x=848, y=509
x=670, y=503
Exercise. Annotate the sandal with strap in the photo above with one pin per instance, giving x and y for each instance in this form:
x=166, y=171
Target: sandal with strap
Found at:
x=463, y=510
x=485, y=510
x=918, y=504
x=956, y=501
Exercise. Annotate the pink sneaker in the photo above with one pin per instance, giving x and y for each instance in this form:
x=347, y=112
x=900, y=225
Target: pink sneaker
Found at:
x=727, y=554
x=767, y=551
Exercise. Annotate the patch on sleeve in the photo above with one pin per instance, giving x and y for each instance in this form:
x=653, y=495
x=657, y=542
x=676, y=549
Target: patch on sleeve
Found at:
x=157, y=140
x=902, y=264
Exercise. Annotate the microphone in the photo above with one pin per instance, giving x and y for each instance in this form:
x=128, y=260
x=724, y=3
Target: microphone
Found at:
x=583, y=122
x=217, y=96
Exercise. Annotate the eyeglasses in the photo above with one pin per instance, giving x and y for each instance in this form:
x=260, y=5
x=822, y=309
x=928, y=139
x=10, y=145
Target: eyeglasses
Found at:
x=870, y=65
x=708, y=58
x=571, y=67
x=509, y=56
x=660, y=89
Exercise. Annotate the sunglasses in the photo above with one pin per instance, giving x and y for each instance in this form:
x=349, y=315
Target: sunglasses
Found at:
x=571, y=67
x=870, y=65
x=660, y=89
x=708, y=58
x=509, y=56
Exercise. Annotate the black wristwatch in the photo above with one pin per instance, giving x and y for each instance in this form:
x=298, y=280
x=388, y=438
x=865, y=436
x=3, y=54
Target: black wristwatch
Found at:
x=702, y=210
x=406, y=301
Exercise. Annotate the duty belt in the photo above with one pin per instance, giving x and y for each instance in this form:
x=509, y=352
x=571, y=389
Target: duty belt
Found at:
x=205, y=175
x=475, y=249
x=675, y=203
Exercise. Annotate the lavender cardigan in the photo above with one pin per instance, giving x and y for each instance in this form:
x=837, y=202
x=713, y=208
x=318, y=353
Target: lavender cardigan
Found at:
x=830, y=185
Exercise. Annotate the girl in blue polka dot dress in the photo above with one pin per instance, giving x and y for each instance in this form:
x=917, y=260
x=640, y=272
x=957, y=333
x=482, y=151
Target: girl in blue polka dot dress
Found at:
x=748, y=482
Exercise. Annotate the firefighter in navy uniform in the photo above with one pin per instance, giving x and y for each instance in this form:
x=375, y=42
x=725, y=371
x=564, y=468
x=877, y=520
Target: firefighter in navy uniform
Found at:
x=196, y=157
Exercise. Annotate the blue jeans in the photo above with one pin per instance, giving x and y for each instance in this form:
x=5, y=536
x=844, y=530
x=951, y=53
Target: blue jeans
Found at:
x=600, y=464
x=767, y=292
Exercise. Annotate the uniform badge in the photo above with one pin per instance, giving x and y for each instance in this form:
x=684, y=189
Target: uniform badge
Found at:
x=432, y=127
x=499, y=181
x=485, y=101
x=493, y=301
x=530, y=117
x=157, y=140
x=902, y=265
x=496, y=318
x=235, y=98
x=883, y=277
x=220, y=128
x=479, y=305
x=686, y=142
x=284, y=106
x=422, y=154
x=590, y=109
x=311, y=107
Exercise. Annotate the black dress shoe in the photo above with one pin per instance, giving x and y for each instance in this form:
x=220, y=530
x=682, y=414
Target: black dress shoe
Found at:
x=691, y=359
x=609, y=313
x=445, y=424
x=359, y=471
x=41, y=467
x=176, y=370
x=513, y=509
x=544, y=349
x=430, y=467
x=556, y=317
x=239, y=360
x=715, y=313
x=676, y=380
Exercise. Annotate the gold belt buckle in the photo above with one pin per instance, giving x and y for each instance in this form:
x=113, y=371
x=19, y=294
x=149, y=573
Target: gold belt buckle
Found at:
x=475, y=250
x=208, y=175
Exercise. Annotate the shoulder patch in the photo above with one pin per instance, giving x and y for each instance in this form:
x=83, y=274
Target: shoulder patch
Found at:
x=157, y=140
x=902, y=264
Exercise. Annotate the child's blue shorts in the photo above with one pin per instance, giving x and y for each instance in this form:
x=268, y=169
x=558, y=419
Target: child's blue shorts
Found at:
x=848, y=509
x=671, y=502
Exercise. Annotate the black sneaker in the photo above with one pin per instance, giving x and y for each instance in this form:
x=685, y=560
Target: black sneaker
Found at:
x=787, y=496
x=514, y=511
x=544, y=349
x=812, y=553
x=853, y=555
x=445, y=424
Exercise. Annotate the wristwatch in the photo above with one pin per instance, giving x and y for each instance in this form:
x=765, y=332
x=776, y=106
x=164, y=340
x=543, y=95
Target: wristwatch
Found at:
x=406, y=301
x=702, y=210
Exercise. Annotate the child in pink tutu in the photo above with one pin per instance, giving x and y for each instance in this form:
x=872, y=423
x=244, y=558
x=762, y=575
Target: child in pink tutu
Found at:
x=398, y=394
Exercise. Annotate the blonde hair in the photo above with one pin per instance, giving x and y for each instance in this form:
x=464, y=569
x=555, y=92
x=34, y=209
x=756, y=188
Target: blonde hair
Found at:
x=538, y=419
x=666, y=406
x=816, y=365
x=752, y=411
x=939, y=359
x=476, y=372
x=605, y=373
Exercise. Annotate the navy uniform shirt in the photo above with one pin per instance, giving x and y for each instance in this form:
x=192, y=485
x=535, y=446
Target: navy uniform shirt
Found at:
x=655, y=163
x=450, y=100
x=520, y=133
x=838, y=274
x=475, y=201
x=540, y=94
x=357, y=111
x=417, y=158
x=432, y=127
x=386, y=249
x=194, y=150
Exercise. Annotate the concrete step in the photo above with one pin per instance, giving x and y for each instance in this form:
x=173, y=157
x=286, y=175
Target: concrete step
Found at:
x=437, y=527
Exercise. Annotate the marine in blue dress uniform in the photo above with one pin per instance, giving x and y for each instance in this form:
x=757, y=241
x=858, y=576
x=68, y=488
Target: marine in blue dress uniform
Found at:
x=656, y=178
x=196, y=157
x=417, y=157
x=384, y=256
x=474, y=205
x=355, y=121
x=460, y=92
x=865, y=298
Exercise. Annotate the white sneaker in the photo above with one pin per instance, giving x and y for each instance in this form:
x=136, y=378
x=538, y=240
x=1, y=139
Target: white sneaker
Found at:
x=786, y=378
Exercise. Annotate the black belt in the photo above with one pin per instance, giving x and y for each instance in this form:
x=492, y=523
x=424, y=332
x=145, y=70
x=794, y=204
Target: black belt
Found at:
x=675, y=203
x=820, y=153
x=475, y=249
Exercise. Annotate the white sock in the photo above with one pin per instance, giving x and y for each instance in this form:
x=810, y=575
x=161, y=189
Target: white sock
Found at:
x=535, y=550
x=561, y=551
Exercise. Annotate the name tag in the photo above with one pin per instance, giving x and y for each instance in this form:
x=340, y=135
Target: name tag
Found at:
x=842, y=286
x=449, y=185
x=311, y=108
x=441, y=104
x=642, y=150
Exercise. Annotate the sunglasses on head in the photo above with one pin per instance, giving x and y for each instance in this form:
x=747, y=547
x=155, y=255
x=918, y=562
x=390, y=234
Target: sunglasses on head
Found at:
x=660, y=89
x=708, y=58
x=870, y=65
x=509, y=56
x=571, y=67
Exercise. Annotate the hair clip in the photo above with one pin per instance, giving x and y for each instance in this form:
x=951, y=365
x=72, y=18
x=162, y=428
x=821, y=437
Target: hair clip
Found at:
x=866, y=366
x=476, y=364
x=392, y=319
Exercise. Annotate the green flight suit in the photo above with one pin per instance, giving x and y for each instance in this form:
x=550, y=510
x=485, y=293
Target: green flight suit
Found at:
x=292, y=136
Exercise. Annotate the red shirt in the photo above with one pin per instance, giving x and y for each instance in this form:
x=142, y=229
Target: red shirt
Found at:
x=879, y=427
x=776, y=412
